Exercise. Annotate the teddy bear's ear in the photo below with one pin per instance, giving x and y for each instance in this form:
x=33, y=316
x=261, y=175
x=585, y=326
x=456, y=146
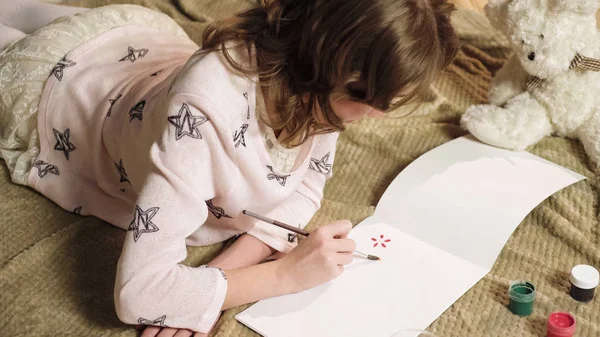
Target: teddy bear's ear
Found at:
x=497, y=12
x=578, y=6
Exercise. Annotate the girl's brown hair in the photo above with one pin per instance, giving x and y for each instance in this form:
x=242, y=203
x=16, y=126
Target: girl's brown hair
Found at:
x=383, y=53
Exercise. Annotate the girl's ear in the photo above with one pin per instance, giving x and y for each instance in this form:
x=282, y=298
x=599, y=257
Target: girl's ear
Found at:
x=497, y=12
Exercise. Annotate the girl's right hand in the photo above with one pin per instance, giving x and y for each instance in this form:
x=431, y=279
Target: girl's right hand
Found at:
x=319, y=258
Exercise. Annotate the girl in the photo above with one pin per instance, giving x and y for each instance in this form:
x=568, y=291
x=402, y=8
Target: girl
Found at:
x=114, y=112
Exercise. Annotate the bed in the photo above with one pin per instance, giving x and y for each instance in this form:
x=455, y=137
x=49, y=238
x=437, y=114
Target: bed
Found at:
x=57, y=268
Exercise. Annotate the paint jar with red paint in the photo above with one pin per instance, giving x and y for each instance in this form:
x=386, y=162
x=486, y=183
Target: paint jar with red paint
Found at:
x=561, y=324
x=584, y=280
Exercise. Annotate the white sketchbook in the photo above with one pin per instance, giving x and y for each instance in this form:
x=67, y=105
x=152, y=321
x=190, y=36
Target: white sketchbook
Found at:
x=438, y=228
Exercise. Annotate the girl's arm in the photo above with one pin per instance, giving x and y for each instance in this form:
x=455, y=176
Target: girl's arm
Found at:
x=245, y=251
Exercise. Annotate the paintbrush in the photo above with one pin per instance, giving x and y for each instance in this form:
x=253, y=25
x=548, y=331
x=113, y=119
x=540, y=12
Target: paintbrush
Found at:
x=299, y=231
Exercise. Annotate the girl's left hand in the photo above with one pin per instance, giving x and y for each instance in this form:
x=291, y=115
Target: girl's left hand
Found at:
x=156, y=331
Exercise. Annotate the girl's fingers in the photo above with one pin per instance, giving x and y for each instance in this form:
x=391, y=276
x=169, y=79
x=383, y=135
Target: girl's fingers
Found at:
x=184, y=333
x=167, y=332
x=343, y=259
x=338, y=229
x=344, y=245
x=155, y=331
x=151, y=331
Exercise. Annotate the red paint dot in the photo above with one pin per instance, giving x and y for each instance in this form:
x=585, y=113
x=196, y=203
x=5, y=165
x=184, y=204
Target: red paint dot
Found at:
x=373, y=239
x=388, y=240
x=381, y=236
x=375, y=245
x=383, y=244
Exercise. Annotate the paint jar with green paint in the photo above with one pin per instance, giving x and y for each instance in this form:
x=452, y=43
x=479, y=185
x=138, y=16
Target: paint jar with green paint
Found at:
x=522, y=296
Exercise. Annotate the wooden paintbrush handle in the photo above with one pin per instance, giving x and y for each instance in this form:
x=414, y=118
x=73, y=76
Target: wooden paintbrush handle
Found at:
x=290, y=228
x=276, y=223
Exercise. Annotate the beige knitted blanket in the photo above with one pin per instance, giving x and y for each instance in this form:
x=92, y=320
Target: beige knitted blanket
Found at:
x=57, y=269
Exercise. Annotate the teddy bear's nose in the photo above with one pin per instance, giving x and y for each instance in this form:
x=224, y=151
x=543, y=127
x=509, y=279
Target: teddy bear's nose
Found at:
x=531, y=56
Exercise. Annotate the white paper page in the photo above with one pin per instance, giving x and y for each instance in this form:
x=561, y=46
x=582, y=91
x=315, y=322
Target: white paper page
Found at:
x=408, y=289
x=467, y=198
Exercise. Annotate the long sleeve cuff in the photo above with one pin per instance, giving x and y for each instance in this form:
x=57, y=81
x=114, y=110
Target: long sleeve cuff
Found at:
x=296, y=211
x=213, y=311
x=185, y=297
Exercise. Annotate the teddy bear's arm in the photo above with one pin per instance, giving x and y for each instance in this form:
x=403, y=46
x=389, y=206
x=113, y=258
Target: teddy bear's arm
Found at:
x=588, y=135
x=508, y=82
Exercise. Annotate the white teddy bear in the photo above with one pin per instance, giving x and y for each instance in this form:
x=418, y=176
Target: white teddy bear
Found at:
x=550, y=84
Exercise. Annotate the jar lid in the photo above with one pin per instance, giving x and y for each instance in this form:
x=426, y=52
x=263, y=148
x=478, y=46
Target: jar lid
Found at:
x=585, y=277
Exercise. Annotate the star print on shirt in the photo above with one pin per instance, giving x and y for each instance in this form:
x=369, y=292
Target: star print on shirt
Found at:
x=320, y=166
x=218, y=212
x=158, y=321
x=62, y=142
x=134, y=54
x=59, y=68
x=238, y=136
x=280, y=179
x=112, y=102
x=248, y=112
x=187, y=124
x=45, y=168
x=141, y=222
x=137, y=111
x=122, y=172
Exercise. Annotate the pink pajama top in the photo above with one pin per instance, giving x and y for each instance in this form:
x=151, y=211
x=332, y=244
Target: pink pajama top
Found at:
x=139, y=131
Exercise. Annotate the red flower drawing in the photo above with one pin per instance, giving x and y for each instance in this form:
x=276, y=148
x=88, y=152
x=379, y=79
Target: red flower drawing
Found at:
x=381, y=241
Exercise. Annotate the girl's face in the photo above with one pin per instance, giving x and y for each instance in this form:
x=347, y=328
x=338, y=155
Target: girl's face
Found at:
x=348, y=110
x=351, y=111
